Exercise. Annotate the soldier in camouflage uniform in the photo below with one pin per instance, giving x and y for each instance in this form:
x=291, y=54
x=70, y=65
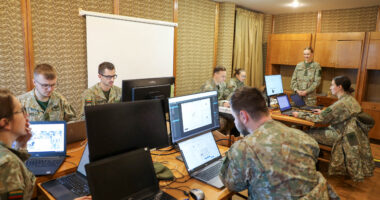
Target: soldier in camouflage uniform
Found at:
x=237, y=81
x=272, y=161
x=103, y=92
x=351, y=152
x=306, y=78
x=217, y=83
x=43, y=103
x=16, y=181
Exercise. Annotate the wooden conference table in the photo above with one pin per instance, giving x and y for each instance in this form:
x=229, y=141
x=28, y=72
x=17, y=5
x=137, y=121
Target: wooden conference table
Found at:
x=177, y=167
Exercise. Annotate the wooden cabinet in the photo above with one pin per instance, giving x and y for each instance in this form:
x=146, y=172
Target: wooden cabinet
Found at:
x=339, y=50
x=287, y=49
x=373, y=61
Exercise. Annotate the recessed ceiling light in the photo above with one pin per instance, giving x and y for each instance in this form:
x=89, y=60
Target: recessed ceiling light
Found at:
x=294, y=4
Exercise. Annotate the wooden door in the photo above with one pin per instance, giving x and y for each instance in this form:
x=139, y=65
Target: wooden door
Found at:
x=325, y=52
x=373, y=60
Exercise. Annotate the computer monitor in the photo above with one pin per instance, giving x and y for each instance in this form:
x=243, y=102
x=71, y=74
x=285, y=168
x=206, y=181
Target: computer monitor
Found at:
x=150, y=88
x=273, y=84
x=120, y=127
x=193, y=114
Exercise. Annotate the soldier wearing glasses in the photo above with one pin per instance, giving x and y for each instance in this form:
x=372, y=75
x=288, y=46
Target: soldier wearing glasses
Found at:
x=43, y=103
x=103, y=92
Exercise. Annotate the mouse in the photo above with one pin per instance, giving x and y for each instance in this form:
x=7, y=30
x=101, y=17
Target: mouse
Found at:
x=197, y=194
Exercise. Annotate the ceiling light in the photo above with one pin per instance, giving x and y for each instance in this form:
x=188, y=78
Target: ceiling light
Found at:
x=295, y=4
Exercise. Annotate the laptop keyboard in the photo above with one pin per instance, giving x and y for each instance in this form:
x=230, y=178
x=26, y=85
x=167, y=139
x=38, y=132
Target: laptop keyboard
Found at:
x=75, y=185
x=161, y=196
x=210, y=173
x=311, y=107
x=33, y=163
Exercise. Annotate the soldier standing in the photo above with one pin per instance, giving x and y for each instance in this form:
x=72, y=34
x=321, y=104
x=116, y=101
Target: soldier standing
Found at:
x=43, y=103
x=306, y=78
x=103, y=92
x=272, y=161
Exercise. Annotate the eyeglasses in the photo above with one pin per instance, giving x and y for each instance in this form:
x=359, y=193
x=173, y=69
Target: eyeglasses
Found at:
x=46, y=86
x=109, y=76
x=22, y=110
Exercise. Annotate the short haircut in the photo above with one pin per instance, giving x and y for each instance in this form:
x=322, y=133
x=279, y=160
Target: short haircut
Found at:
x=105, y=65
x=45, y=70
x=238, y=71
x=251, y=100
x=310, y=49
x=345, y=82
x=218, y=69
x=7, y=105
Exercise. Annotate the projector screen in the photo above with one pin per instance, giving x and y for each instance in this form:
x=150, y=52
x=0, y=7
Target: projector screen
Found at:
x=138, y=48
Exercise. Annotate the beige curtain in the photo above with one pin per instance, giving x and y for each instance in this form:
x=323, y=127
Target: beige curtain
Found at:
x=248, y=52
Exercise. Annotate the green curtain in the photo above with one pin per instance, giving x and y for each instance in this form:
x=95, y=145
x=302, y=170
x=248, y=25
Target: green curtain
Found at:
x=248, y=53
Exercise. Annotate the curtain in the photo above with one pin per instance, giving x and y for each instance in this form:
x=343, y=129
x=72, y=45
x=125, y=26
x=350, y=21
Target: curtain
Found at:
x=248, y=53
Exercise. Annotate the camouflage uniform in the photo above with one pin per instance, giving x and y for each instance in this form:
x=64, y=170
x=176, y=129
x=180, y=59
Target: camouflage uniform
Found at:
x=95, y=96
x=221, y=89
x=351, y=154
x=307, y=77
x=275, y=162
x=58, y=108
x=15, y=178
x=233, y=85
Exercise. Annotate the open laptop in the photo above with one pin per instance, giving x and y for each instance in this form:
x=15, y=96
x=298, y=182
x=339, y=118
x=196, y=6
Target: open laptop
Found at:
x=76, y=131
x=284, y=104
x=300, y=103
x=129, y=175
x=202, y=158
x=71, y=186
x=47, y=147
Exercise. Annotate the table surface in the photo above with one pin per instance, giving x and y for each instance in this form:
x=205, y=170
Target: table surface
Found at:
x=183, y=181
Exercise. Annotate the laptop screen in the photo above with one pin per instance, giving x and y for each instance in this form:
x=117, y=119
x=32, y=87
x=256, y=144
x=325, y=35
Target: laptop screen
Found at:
x=193, y=114
x=199, y=150
x=283, y=102
x=47, y=136
x=297, y=100
x=83, y=161
x=273, y=84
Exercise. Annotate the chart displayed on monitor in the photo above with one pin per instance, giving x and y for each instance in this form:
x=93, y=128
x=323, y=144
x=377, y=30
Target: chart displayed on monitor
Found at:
x=193, y=114
x=273, y=84
x=47, y=137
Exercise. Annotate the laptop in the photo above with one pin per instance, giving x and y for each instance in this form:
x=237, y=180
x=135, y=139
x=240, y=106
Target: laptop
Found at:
x=202, y=159
x=47, y=147
x=284, y=104
x=76, y=131
x=129, y=175
x=300, y=103
x=71, y=186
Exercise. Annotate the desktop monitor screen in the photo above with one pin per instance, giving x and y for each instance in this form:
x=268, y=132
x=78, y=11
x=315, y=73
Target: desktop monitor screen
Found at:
x=193, y=114
x=120, y=127
x=142, y=89
x=273, y=84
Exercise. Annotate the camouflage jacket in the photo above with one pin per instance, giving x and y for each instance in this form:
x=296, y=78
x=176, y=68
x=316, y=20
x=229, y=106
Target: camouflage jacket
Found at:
x=308, y=79
x=274, y=162
x=95, y=96
x=351, y=153
x=58, y=108
x=15, y=178
x=221, y=89
x=233, y=85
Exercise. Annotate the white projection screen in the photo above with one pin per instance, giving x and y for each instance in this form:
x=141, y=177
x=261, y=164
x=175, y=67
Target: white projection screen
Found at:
x=138, y=48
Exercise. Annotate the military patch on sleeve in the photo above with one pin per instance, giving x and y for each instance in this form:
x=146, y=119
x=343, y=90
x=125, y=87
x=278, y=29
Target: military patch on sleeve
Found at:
x=17, y=194
x=88, y=102
x=319, y=73
x=351, y=137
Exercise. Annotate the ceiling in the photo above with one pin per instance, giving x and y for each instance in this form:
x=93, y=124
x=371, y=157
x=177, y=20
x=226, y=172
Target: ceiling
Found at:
x=283, y=6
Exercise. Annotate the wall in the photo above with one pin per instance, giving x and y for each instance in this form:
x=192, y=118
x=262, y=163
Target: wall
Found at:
x=12, y=67
x=343, y=20
x=226, y=36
